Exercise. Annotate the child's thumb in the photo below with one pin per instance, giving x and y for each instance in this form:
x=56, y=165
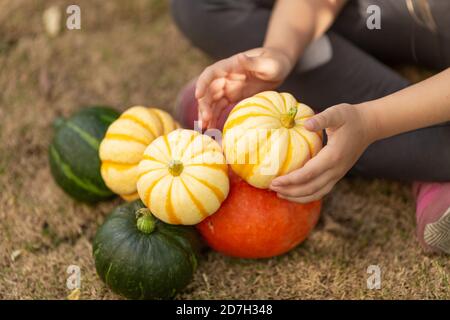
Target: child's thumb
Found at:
x=327, y=119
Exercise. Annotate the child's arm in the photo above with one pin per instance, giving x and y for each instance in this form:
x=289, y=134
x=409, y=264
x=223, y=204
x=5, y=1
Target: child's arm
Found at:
x=293, y=25
x=352, y=128
x=421, y=105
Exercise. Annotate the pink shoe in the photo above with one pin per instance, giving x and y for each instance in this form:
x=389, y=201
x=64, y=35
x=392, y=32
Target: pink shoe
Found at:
x=186, y=108
x=433, y=216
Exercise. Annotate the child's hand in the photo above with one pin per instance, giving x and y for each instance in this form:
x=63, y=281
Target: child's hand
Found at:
x=349, y=134
x=240, y=76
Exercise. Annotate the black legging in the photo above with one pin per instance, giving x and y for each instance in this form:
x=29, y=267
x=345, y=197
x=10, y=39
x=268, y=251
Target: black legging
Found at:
x=350, y=74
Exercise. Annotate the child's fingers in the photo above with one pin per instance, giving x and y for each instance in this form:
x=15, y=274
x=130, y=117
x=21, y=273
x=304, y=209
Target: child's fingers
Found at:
x=330, y=118
x=219, y=106
x=209, y=110
x=218, y=95
x=214, y=71
x=314, y=197
x=306, y=189
x=234, y=90
x=216, y=89
x=237, y=77
x=204, y=109
x=311, y=170
x=216, y=85
x=200, y=123
x=208, y=103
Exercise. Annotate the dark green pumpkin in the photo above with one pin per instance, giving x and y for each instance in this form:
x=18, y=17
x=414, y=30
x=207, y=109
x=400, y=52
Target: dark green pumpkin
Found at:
x=141, y=257
x=73, y=153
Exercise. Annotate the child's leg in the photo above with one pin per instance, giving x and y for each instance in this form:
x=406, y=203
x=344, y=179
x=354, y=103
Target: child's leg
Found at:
x=411, y=32
x=222, y=28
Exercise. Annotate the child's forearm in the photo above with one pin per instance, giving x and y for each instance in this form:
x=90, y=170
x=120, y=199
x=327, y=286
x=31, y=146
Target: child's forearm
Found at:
x=295, y=23
x=421, y=105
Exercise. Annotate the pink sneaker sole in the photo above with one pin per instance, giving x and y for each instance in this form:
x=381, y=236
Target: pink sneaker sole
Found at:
x=437, y=234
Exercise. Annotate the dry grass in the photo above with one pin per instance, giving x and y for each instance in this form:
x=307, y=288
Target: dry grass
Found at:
x=128, y=52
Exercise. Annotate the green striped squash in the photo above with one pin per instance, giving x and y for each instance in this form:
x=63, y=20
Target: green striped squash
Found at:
x=73, y=153
x=141, y=257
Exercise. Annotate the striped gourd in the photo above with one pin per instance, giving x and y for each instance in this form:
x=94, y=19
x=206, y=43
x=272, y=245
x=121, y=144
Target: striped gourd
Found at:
x=124, y=144
x=141, y=257
x=183, y=177
x=264, y=137
x=73, y=153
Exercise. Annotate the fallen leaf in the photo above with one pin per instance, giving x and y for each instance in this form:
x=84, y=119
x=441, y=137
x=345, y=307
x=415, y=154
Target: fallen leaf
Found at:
x=15, y=254
x=52, y=20
x=74, y=295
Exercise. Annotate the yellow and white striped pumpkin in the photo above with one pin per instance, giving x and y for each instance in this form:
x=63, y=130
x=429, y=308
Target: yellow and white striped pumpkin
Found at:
x=124, y=144
x=264, y=137
x=183, y=177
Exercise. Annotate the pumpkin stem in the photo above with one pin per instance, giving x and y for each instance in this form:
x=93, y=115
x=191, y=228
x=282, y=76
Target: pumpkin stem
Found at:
x=288, y=119
x=145, y=220
x=175, y=167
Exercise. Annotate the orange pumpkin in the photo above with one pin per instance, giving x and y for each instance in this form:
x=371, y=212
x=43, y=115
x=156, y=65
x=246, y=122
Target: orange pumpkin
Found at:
x=255, y=223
